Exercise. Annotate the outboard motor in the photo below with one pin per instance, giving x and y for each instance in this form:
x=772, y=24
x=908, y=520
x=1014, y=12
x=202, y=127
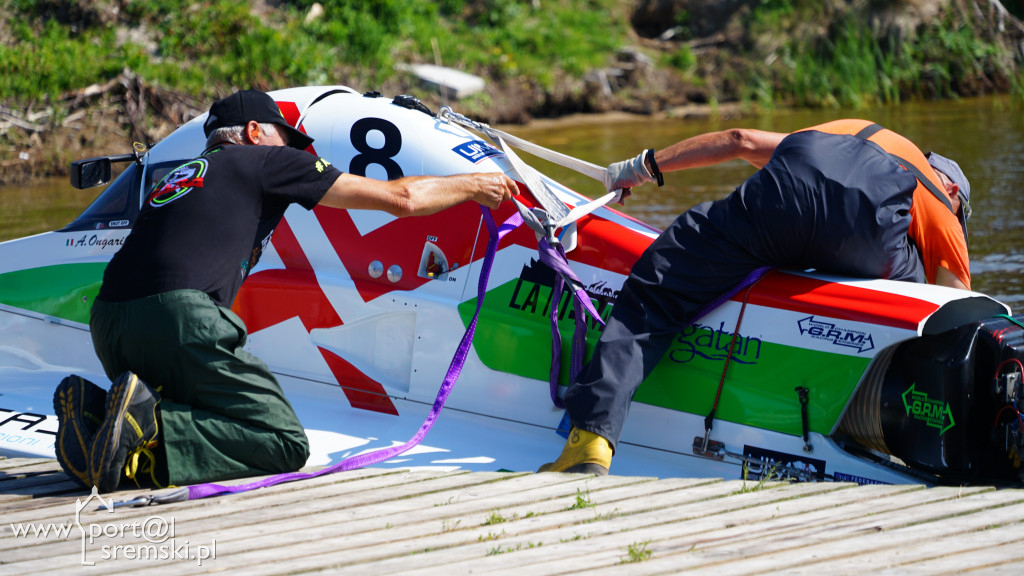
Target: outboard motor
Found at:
x=948, y=403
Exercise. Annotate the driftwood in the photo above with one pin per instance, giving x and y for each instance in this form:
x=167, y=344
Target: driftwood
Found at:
x=9, y=118
x=37, y=141
x=150, y=112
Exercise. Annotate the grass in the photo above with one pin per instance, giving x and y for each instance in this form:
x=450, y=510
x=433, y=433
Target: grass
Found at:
x=769, y=474
x=200, y=48
x=490, y=536
x=582, y=500
x=797, y=55
x=494, y=517
x=520, y=546
x=637, y=552
x=849, y=65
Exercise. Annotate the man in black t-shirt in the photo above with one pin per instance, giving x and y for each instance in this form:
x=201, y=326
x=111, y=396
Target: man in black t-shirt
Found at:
x=188, y=404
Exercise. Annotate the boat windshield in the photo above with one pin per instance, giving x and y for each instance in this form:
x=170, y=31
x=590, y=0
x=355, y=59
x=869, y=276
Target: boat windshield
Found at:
x=114, y=207
x=118, y=205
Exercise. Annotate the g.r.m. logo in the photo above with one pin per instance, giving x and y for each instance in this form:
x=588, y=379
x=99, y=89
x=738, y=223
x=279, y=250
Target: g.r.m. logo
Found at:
x=934, y=413
x=179, y=182
x=836, y=335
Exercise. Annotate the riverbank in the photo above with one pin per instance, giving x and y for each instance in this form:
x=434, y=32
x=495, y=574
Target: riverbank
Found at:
x=83, y=79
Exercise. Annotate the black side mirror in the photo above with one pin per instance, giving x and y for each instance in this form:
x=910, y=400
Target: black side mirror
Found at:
x=94, y=171
x=90, y=172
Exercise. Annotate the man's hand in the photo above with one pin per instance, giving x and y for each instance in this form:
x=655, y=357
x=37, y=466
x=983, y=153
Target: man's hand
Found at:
x=627, y=174
x=494, y=188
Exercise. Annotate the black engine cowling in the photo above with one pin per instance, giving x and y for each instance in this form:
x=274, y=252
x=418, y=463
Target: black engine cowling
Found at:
x=949, y=403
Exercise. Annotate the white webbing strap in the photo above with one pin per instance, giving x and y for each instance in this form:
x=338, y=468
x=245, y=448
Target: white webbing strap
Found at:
x=545, y=221
x=558, y=215
x=582, y=166
x=556, y=209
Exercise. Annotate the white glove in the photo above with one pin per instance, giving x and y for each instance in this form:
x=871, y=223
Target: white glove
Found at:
x=628, y=173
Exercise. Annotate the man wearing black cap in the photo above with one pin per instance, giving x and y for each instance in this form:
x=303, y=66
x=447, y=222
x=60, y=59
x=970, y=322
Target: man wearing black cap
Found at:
x=847, y=197
x=188, y=404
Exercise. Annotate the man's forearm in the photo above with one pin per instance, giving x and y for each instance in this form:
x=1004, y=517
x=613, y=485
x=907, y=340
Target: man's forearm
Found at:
x=754, y=146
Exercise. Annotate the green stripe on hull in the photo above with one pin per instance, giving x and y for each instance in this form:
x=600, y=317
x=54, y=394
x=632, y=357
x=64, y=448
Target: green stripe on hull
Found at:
x=513, y=335
x=759, y=389
x=65, y=291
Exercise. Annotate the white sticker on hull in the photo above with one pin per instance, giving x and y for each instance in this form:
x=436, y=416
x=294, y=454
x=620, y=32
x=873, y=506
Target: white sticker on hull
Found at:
x=27, y=433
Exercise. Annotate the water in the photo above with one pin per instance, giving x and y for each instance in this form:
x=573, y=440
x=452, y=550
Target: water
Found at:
x=985, y=136
x=40, y=206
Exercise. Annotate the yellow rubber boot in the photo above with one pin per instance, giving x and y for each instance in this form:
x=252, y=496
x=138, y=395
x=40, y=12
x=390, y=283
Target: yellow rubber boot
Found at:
x=584, y=453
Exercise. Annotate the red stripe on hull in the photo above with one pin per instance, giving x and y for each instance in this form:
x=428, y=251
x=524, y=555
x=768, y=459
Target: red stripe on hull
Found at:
x=362, y=391
x=273, y=296
x=834, y=300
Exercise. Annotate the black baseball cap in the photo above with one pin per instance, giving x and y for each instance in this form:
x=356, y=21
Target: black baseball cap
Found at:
x=245, y=105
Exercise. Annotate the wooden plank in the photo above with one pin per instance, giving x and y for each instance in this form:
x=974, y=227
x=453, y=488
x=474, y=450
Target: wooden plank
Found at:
x=284, y=494
x=26, y=467
x=218, y=510
x=374, y=525
x=472, y=553
x=887, y=531
x=883, y=542
x=574, y=548
x=42, y=486
x=391, y=521
x=609, y=548
x=244, y=519
x=983, y=548
x=978, y=563
x=17, y=484
x=788, y=524
x=742, y=537
x=11, y=463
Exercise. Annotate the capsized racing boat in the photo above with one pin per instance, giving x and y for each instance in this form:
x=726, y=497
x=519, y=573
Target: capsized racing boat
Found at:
x=802, y=376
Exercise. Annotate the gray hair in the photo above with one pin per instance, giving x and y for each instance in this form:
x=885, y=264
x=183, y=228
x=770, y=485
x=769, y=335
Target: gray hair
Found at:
x=234, y=134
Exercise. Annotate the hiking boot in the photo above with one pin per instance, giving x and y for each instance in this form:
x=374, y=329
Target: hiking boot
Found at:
x=584, y=453
x=80, y=408
x=129, y=431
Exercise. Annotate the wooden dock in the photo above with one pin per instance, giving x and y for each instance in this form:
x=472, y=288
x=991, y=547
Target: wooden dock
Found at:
x=377, y=521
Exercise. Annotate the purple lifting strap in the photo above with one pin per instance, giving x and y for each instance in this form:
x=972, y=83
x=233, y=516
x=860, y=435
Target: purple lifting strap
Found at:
x=370, y=458
x=554, y=257
x=710, y=307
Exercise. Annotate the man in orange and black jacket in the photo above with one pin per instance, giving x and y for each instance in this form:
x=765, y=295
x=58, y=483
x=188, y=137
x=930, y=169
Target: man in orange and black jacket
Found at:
x=847, y=197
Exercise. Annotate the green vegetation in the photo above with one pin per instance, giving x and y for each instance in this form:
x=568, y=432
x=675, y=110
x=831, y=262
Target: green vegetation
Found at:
x=771, y=474
x=520, y=546
x=201, y=48
x=494, y=517
x=582, y=500
x=490, y=536
x=843, y=60
x=536, y=54
x=637, y=552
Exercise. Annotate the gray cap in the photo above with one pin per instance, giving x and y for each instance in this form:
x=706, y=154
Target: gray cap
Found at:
x=953, y=171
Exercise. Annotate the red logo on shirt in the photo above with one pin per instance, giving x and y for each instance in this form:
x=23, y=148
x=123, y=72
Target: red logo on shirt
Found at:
x=178, y=182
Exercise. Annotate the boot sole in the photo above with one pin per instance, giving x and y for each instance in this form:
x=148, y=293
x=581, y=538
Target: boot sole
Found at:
x=587, y=468
x=108, y=438
x=73, y=437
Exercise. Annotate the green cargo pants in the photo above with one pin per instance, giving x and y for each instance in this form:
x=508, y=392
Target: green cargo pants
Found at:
x=223, y=414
